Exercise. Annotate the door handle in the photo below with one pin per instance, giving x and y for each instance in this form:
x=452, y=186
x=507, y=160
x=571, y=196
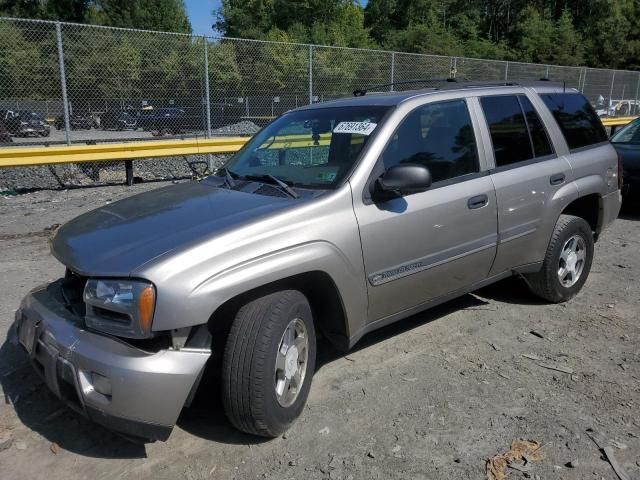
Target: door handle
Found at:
x=478, y=201
x=557, y=179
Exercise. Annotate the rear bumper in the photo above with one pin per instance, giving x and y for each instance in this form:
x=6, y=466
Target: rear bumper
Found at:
x=148, y=390
x=610, y=209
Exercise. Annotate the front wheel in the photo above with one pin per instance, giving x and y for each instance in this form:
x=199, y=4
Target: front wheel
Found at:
x=567, y=262
x=269, y=360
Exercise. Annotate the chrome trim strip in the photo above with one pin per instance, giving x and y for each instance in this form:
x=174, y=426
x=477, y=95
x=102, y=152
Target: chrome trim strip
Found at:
x=433, y=260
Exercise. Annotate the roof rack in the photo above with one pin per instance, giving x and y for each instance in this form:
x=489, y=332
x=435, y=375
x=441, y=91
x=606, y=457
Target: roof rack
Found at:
x=361, y=92
x=453, y=83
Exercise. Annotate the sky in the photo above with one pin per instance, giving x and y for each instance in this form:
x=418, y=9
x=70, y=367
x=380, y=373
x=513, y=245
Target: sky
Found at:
x=201, y=15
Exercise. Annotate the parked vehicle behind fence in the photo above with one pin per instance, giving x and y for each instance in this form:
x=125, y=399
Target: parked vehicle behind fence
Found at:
x=336, y=219
x=77, y=122
x=32, y=125
x=5, y=137
x=114, y=120
x=171, y=121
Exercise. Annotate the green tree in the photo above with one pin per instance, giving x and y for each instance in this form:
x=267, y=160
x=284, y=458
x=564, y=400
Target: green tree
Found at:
x=65, y=10
x=545, y=40
x=335, y=22
x=613, y=34
x=162, y=15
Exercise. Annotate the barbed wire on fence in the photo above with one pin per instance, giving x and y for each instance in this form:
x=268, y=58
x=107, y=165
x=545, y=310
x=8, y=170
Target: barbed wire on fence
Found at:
x=74, y=83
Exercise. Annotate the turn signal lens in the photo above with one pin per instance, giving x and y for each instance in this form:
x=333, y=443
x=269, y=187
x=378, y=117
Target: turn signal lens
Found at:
x=146, y=304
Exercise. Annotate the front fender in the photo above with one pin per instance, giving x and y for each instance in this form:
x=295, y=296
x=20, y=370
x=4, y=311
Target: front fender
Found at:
x=321, y=256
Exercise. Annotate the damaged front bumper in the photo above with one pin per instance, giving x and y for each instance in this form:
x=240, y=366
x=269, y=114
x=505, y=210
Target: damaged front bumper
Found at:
x=107, y=380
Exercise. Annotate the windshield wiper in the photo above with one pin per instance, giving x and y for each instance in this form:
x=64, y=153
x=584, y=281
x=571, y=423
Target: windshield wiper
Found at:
x=285, y=188
x=228, y=177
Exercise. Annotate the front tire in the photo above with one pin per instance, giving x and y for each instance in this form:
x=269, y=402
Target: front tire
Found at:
x=268, y=363
x=567, y=262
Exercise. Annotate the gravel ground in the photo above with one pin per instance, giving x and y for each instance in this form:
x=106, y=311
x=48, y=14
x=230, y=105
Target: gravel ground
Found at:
x=87, y=174
x=431, y=397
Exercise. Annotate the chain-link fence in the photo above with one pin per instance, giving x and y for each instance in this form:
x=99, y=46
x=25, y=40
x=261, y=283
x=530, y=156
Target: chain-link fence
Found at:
x=63, y=83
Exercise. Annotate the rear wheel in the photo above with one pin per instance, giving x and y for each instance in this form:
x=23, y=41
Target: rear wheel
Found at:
x=567, y=262
x=268, y=363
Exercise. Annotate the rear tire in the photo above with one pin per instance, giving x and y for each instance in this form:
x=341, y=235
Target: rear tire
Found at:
x=567, y=262
x=271, y=338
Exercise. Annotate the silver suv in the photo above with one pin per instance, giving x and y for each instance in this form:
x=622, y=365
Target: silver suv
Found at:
x=334, y=220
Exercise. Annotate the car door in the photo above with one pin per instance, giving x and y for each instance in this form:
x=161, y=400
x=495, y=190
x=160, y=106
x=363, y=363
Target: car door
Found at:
x=423, y=246
x=527, y=172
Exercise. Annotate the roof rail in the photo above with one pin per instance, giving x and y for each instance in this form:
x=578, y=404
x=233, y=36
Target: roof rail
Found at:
x=361, y=92
x=454, y=83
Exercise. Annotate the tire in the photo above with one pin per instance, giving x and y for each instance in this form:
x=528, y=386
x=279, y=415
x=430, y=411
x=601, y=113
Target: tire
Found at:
x=249, y=373
x=547, y=283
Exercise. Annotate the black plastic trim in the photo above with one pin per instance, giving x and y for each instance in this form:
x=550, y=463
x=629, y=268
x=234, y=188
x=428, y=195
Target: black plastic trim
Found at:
x=131, y=428
x=523, y=163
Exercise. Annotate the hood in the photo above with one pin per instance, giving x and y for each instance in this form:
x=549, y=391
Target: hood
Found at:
x=116, y=239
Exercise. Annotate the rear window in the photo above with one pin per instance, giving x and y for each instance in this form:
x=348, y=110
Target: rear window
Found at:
x=577, y=119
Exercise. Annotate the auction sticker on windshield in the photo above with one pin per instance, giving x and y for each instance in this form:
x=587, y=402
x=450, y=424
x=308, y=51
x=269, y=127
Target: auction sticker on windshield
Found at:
x=363, y=128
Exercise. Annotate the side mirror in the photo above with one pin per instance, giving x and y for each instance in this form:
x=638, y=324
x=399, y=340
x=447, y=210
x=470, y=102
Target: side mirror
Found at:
x=404, y=179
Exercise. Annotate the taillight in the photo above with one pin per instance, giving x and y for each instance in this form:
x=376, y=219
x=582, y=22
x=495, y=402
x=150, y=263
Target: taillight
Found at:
x=620, y=170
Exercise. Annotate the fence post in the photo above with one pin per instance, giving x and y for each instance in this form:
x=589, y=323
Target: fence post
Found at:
x=506, y=71
x=584, y=79
x=206, y=84
x=63, y=82
x=207, y=97
x=310, y=74
x=393, y=70
x=613, y=79
x=637, y=107
x=547, y=74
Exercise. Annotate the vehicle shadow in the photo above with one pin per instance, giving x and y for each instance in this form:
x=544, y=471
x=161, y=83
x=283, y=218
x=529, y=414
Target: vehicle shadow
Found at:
x=511, y=290
x=630, y=208
x=206, y=419
x=39, y=410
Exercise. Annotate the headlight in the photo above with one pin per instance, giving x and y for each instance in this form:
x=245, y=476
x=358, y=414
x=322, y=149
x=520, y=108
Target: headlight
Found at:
x=120, y=307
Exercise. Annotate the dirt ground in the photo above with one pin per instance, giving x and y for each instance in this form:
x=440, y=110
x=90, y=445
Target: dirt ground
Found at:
x=431, y=397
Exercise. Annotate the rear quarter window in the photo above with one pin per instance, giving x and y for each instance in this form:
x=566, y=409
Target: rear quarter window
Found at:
x=577, y=119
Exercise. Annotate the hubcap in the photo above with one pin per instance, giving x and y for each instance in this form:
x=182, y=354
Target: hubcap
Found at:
x=291, y=362
x=572, y=258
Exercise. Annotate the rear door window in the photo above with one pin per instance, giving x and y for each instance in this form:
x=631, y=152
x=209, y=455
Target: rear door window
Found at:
x=508, y=128
x=577, y=119
x=539, y=138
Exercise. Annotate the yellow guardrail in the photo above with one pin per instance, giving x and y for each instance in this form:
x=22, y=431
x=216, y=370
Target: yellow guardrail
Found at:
x=31, y=156
x=617, y=121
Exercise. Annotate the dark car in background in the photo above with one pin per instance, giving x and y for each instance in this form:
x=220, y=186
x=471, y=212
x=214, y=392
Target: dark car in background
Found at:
x=164, y=121
x=627, y=144
x=223, y=113
x=113, y=120
x=32, y=124
x=11, y=121
x=5, y=137
x=77, y=122
x=177, y=120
